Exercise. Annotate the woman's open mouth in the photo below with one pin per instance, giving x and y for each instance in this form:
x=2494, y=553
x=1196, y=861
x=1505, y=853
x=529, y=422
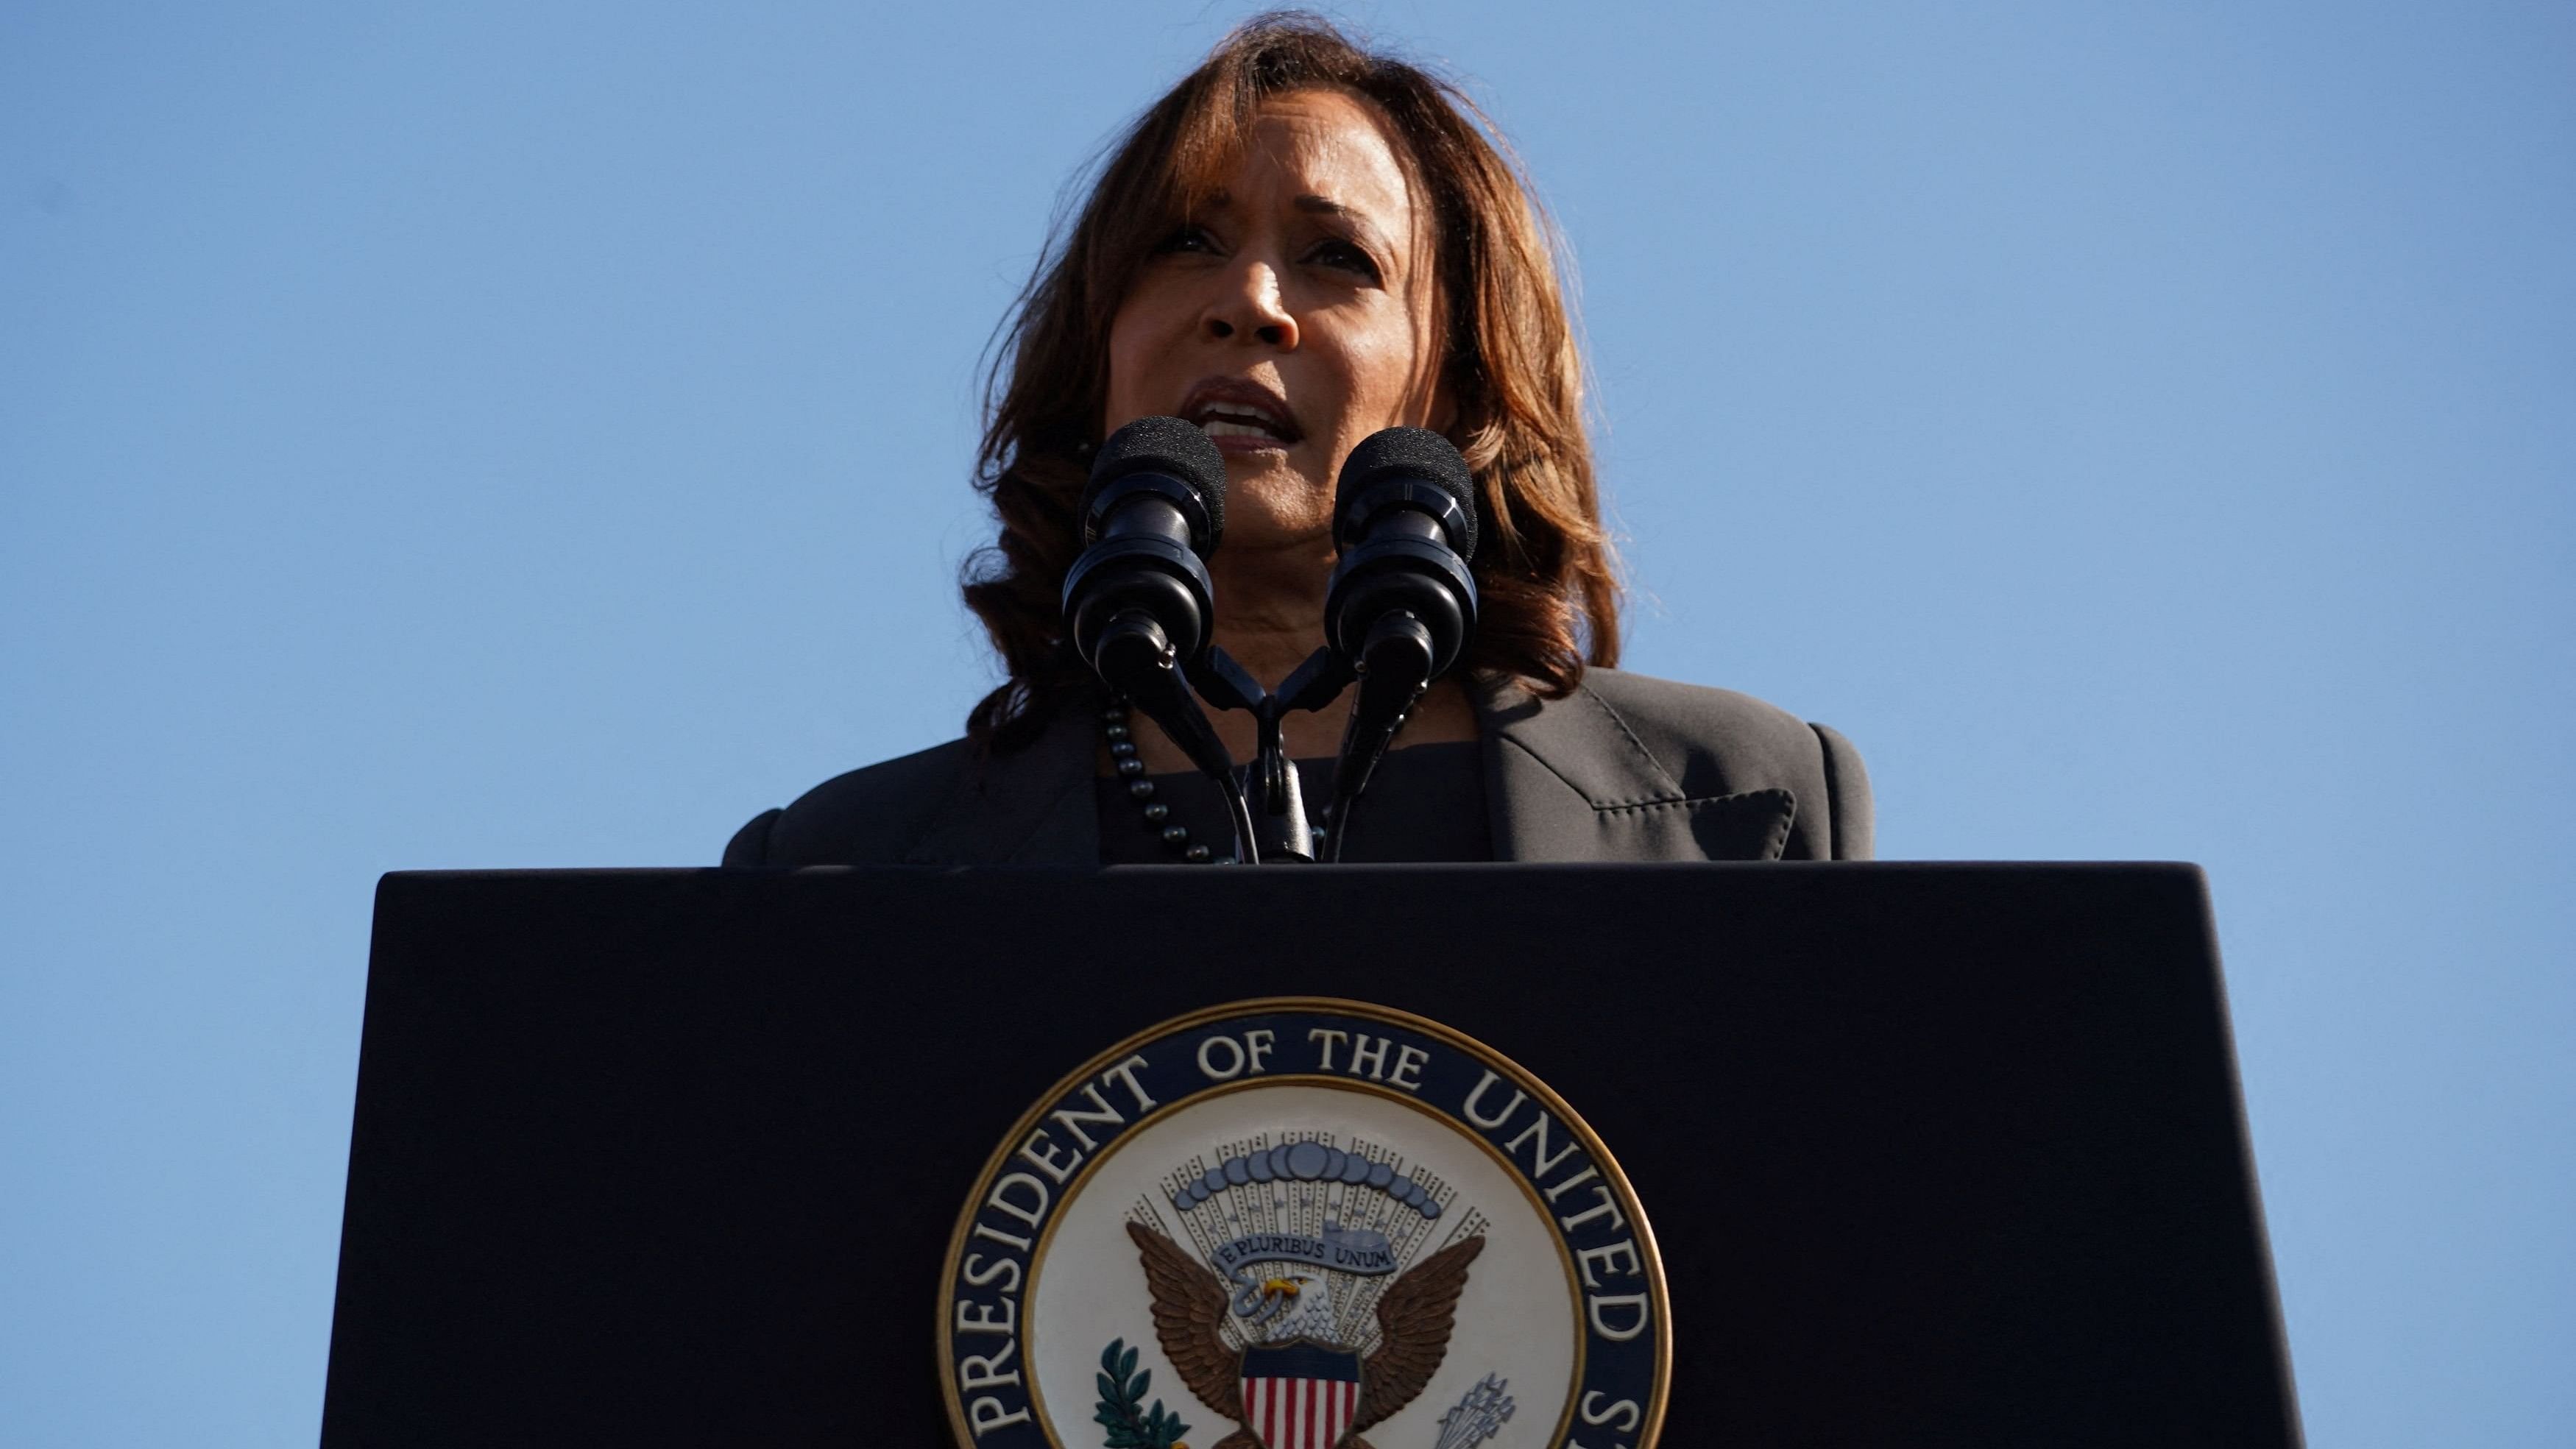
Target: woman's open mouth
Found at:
x=1241, y=416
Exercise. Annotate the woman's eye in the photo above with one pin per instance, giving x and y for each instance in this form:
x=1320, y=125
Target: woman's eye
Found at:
x=1346, y=256
x=1186, y=239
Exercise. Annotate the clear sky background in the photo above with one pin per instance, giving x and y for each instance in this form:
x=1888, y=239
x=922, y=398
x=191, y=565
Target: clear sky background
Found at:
x=536, y=435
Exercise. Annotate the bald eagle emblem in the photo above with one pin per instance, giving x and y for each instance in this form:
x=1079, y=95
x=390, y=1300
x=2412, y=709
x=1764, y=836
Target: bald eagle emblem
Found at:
x=1297, y=1318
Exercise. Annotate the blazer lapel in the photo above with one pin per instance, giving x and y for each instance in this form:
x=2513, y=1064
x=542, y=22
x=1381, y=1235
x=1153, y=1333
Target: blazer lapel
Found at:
x=1031, y=807
x=1567, y=780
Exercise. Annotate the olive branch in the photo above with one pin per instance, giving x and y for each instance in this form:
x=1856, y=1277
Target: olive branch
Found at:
x=1130, y=1427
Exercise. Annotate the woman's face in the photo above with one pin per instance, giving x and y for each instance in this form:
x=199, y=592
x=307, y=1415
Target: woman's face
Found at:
x=1292, y=317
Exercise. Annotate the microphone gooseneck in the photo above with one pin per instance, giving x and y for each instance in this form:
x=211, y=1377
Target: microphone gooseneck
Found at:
x=1138, y=604
x=1402, y=604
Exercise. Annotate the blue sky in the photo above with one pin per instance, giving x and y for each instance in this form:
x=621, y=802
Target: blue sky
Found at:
x=535, y=435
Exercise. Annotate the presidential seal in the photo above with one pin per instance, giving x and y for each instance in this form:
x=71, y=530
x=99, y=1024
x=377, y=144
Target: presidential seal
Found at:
x=1303, y=1224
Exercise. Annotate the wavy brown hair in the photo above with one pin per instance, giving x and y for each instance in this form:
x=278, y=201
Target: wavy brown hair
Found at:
x=1548, y=605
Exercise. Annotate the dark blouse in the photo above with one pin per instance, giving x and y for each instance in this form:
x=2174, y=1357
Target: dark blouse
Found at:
x=1426, y=802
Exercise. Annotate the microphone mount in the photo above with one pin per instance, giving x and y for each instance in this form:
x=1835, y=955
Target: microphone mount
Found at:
x=1278, y=806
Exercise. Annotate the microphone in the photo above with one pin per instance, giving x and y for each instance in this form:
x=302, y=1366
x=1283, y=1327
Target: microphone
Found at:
x=1151, y=514
x=1402, y=605
x=1138, y=605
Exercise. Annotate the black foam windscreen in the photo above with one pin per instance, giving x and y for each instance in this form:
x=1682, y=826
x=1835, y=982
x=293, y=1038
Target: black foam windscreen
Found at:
x=1172, y=448
x=1417, y=455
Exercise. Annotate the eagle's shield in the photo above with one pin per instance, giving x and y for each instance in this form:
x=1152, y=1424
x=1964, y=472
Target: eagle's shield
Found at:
x=1300, y=1395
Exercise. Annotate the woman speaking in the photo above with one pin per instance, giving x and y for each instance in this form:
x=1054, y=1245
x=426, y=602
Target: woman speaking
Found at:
x=1299, y=246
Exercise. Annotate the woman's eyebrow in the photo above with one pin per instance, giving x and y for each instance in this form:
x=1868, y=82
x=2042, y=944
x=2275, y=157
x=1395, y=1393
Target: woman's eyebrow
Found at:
x=1314, y=205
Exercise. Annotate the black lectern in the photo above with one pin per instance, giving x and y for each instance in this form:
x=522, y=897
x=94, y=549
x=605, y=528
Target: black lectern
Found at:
x=1935, y=1154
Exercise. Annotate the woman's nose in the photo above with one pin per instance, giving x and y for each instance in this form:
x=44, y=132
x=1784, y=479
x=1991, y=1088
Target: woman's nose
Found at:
x=1249, y=306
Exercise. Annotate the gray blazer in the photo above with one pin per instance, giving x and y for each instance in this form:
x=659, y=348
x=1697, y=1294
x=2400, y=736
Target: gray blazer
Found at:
x=1626, y=768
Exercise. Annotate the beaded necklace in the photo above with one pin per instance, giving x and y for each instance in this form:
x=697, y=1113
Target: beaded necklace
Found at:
x=1158, y=816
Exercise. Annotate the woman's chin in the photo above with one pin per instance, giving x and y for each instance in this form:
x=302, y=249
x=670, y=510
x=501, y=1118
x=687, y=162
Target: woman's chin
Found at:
x=1276, y=482
x=1258, y=520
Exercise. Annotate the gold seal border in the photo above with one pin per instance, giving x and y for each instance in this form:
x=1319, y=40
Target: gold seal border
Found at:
x=1648, y=1433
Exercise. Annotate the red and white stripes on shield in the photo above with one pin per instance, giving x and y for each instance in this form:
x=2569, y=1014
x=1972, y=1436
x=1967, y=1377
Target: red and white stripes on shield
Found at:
x=1300, y=1413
